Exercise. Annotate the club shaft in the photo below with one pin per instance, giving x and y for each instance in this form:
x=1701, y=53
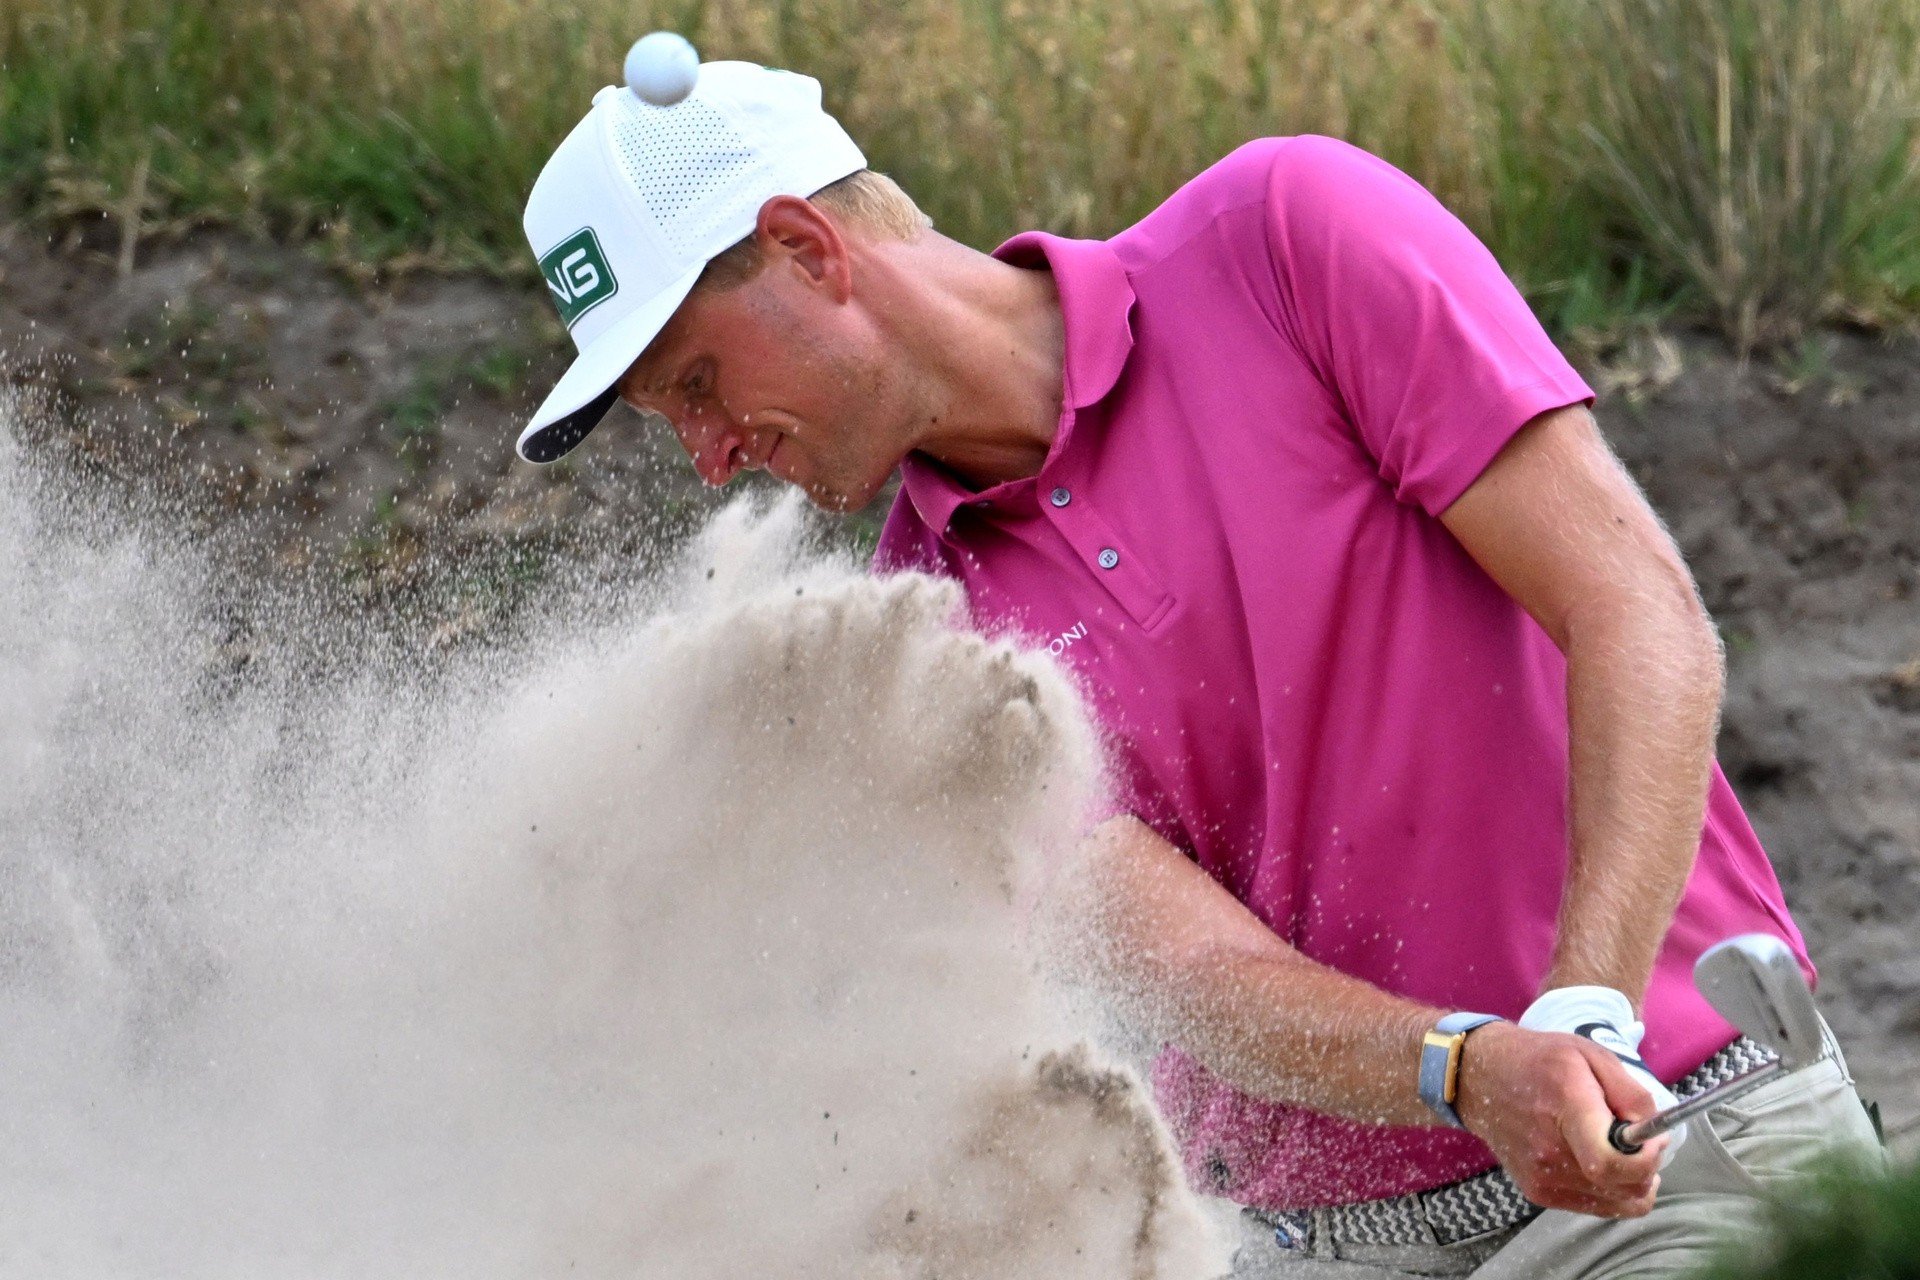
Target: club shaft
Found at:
x=1631, y=1137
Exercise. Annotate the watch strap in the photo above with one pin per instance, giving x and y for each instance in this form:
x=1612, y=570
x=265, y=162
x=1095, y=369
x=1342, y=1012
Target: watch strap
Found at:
x=1440, y=1062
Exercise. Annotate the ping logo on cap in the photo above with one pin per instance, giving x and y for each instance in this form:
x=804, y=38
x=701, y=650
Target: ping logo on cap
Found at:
x=578, y=275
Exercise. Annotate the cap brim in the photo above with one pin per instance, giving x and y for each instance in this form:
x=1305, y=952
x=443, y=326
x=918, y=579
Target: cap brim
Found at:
x=587, y=389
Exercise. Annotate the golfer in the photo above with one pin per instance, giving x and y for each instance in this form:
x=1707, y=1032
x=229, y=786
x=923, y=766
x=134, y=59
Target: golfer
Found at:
x=1419, y=829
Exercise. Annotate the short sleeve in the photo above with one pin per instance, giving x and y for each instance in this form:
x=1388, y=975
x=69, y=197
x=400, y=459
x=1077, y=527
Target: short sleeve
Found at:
x=1406, y=318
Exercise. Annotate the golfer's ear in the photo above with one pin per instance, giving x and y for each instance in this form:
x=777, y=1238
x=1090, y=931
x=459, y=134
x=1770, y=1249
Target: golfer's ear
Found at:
x=802, y=234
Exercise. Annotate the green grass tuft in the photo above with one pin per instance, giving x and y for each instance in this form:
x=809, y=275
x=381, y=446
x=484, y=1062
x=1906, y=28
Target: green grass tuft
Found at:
x=1750, y=145
x=1844, y=1227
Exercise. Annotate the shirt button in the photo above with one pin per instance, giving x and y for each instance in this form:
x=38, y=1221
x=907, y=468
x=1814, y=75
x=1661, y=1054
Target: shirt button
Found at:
x=1109, y=557
x=1060, y=497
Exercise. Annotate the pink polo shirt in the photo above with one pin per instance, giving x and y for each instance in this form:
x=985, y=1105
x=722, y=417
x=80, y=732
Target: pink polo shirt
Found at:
x=1274, y=384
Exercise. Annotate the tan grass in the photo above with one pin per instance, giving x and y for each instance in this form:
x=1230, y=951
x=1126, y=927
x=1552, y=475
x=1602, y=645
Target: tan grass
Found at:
x=1567, y=133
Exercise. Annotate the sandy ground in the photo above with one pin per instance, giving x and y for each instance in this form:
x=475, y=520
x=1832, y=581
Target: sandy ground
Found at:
x=1797, y=512
x=369, y=424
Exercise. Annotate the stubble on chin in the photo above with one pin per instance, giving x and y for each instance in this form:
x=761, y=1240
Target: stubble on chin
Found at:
x=832, y=501
x=840, y=498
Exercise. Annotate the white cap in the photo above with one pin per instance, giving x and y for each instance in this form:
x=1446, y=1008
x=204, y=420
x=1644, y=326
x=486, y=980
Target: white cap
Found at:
x=637, y=198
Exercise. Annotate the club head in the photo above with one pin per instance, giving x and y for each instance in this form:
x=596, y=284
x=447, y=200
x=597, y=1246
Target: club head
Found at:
x=1755, y=983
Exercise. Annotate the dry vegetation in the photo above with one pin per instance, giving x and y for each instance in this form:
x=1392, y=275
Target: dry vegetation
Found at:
x=1749, y=162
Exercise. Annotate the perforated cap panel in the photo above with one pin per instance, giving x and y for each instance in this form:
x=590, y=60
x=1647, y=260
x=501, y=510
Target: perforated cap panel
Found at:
x=688, y=163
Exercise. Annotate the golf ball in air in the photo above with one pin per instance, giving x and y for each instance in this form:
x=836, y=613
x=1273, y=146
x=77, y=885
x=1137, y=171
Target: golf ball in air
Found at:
x=661, y=68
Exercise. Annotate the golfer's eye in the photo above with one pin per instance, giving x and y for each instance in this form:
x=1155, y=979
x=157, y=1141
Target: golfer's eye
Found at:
x=697, y=381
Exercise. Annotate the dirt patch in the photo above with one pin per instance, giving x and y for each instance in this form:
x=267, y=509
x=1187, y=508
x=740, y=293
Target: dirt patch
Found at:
x=1794, y=498
x=370, y=424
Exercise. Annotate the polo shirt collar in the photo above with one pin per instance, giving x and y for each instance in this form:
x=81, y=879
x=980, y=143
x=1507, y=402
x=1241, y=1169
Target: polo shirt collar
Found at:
x=1096, y=300
x=1096, y=304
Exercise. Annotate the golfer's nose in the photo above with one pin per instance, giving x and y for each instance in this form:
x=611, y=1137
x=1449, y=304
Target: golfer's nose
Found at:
x=714, y=441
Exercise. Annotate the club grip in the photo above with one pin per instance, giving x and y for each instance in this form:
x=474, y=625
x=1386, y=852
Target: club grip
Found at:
x=1617, y=1136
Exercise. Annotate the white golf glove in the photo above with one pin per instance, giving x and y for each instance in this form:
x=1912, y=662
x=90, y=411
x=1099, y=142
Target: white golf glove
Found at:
x=1605, y=1016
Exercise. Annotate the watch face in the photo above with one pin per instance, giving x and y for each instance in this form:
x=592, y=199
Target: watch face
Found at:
x=1440, y=1051
x=1453, y=1067
x=1440, y=1073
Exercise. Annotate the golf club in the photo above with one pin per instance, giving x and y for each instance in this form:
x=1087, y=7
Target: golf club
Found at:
x=1754, y=982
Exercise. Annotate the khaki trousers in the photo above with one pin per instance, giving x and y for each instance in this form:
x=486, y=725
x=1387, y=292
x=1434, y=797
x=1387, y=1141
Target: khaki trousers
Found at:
x=1713, y=1190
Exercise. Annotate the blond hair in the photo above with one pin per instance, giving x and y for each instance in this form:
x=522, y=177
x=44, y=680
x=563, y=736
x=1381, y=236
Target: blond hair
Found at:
x=865, y=200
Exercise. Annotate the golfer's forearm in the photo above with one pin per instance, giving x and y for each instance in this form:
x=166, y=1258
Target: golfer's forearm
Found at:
x=1643, y=704
x=1296, y=1031
x=1136, y=920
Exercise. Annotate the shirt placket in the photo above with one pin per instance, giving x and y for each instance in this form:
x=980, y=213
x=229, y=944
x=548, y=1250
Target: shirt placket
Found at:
x=1108, y=557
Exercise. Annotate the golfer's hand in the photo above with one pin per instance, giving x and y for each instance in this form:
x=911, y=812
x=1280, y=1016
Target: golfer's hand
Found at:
x=1544, y=1102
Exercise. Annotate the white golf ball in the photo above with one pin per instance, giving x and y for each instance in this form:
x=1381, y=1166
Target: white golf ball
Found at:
x=661, y=68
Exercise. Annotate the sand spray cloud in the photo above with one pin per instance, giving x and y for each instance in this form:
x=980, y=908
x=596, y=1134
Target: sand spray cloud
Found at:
x=679, y=946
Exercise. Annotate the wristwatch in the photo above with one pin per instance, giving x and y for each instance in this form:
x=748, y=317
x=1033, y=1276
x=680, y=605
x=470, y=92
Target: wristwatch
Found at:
x=1440, y=1062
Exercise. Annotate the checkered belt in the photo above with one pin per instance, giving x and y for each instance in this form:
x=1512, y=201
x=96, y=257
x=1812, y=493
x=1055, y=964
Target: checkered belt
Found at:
x=1475, y=1206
